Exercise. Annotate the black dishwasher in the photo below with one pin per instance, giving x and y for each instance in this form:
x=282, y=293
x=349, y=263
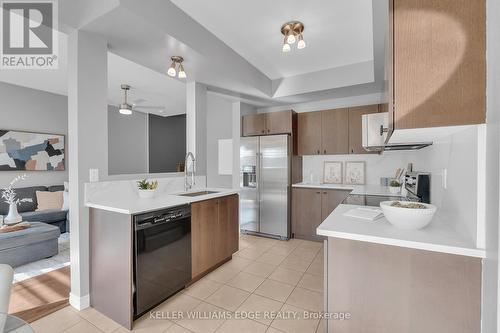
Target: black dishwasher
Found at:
x=162, y=256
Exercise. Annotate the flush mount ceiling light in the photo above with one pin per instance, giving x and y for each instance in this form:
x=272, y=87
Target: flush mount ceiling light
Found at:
x=292, y=31
x=125, y=108
x=177, y=60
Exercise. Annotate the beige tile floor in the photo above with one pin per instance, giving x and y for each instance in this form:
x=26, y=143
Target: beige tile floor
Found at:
x=264, y=276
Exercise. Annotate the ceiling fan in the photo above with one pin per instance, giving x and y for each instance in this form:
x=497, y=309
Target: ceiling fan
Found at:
x=126, y=108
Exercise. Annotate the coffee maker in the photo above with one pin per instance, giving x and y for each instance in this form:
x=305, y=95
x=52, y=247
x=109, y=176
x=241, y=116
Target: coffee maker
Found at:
x=418, y=185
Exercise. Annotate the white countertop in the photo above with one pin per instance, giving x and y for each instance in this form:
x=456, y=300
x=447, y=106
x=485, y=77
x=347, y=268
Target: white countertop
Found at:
x=355, y=189
x=437, y=236
x=128, y=202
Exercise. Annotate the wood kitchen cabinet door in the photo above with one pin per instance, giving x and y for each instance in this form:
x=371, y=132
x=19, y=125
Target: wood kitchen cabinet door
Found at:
x=309, y=133
x=228, y=226
x=335, y=131
x=355, y=128
x=204, y=228
x=439, y=63
x=330, y=199
x=254, y=124
x=306, y=213
x=279, y=122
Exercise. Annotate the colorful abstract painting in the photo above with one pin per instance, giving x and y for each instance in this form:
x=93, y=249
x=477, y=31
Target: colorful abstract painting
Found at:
x=31, y=151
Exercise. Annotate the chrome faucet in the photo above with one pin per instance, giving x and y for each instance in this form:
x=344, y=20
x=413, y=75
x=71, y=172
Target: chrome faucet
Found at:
x=189, y=185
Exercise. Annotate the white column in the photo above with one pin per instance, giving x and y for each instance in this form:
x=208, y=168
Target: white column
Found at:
x=196, y=124
x=236, y=130
x=87, y=146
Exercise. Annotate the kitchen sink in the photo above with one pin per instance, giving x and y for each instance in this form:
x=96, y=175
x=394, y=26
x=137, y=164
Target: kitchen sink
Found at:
x=196, y=194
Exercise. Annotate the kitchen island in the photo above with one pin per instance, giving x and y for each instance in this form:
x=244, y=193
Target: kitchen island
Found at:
x=393, y=280
x=144, y=250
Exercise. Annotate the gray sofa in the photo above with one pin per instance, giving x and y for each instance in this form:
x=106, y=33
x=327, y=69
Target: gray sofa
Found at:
x=27, y=210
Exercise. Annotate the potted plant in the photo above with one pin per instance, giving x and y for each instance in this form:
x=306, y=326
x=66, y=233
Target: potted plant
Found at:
x=147, y=189
x=394, y=186
x=10, y=197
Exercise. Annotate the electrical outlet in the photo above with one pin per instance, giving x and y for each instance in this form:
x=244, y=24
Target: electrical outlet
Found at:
x=444, y=179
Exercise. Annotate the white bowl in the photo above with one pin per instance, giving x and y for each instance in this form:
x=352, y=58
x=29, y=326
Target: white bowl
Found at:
x=146, y=194
x=408, y=218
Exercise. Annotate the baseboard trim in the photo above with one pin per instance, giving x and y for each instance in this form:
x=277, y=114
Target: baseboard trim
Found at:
x=79, y=303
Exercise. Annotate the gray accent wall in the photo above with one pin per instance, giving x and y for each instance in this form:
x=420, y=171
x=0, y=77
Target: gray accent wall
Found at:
x=167, y=142
x=127, y=142
x=31, y=110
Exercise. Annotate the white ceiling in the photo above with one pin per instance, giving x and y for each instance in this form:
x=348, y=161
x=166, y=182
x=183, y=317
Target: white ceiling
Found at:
x=337, y=32
x=161, y=94
x=344, y=55
x=156, y=91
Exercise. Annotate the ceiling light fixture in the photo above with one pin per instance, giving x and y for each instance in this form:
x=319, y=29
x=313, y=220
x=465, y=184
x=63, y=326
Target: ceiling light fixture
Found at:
x=292, y=31
x=172, y=71
x=125, y=108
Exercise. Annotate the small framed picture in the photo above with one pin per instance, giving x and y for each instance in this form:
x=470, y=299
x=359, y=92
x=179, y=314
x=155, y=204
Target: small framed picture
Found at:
x=332, y=173
x=355, y=173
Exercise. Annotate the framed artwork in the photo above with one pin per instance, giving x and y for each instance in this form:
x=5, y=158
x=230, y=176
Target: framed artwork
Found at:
x=28, y=151
x=355, y=173
x=332, y=173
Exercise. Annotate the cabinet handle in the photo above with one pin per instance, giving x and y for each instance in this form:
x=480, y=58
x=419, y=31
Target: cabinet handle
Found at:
x=319, y=152
x=268, y=131
x=325, y=193
x=263, y=131
x=318, y=192
x=325, y=151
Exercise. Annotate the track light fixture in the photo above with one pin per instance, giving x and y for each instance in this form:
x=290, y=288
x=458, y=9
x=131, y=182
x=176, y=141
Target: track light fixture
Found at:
x=177, y=60
x=293, y=31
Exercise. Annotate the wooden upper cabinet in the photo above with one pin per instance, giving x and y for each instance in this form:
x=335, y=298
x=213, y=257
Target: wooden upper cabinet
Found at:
x=254, y=124
x=335, y=132
x=309, y=133
x=355, y=127
x=439, y=62
x=279, y=122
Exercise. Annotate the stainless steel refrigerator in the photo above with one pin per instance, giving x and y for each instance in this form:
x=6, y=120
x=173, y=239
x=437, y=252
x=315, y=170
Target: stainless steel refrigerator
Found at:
x=265, y=185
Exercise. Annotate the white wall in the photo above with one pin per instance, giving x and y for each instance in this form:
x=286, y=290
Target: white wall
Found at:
x=219, y=126
x=377, y=166
x=490, y=302
x=459, y=155
x=26, y=109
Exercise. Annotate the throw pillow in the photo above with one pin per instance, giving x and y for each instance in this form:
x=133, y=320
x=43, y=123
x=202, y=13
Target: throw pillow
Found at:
x=49, y=200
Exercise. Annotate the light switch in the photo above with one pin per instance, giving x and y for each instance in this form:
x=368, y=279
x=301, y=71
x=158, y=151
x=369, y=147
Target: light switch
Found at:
x=94, y=175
